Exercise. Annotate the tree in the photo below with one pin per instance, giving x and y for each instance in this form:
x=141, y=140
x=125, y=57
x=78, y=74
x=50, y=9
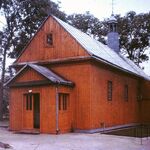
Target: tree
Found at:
x=33, y=13
x=9, y=13
x=89, y=24
x=23, y=18
x=133, y=31
x=134, y=36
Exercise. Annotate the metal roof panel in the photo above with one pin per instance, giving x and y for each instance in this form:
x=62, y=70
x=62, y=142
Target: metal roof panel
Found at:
x=96, y=48
x=47, y=73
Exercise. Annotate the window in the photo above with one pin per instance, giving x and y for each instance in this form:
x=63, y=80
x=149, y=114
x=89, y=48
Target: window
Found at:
x=111, y=28
x=109, y=90
x=28, y=98
x=49, y=39
x=63, y=101
x=139, y=96
x=126, y=92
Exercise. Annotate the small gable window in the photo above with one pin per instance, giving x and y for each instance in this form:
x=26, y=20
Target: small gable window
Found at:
x=49, y=39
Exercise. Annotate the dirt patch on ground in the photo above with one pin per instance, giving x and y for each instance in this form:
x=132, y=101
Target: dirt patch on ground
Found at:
x=4, y=145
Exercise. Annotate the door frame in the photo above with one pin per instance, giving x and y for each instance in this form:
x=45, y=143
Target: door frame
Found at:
x=28, y=121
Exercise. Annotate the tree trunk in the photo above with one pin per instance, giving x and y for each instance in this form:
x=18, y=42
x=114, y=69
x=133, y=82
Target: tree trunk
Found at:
x=2, y=83
x=1, y=103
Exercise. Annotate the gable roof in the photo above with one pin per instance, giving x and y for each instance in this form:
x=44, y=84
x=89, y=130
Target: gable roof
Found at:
x=97, y=50
x=51, y=76
x=102, y=52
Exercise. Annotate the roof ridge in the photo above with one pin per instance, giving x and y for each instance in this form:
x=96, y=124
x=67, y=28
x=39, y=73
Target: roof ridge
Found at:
x=101, y=51
x=95, y=48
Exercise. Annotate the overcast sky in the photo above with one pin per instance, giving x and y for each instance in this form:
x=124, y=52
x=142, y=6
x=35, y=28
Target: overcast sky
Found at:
x=103, y=8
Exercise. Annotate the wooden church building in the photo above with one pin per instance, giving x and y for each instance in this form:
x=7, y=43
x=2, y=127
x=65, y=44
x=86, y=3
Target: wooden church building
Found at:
x=67, y=81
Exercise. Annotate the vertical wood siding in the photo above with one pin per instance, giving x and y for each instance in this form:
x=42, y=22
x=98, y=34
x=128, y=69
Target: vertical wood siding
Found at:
x=64, y=44
x=145, y=103
x=78, y=115
x=89, y=107
x=29, y=75
x=20, y=118
x=80, y=74
x=118, y=111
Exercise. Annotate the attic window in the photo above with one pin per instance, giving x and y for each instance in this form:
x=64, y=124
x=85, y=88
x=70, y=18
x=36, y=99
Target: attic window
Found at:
x=49, y=39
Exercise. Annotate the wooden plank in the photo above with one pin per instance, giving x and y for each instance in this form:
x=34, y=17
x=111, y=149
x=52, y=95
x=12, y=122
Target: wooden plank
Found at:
x=65, y=45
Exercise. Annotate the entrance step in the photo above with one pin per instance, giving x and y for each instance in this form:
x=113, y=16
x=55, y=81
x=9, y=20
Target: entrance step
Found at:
x=32, y=131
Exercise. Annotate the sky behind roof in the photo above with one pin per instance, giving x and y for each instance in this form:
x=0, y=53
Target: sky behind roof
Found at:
x=102, y=9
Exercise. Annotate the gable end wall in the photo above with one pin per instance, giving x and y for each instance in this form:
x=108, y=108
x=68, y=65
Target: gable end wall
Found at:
x=64, y=46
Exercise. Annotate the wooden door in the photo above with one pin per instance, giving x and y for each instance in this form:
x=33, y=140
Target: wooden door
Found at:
x=64, y=112
x=28, y=111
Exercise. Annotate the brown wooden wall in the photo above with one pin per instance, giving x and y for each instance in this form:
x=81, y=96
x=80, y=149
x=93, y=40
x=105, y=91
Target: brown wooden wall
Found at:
x=118, y=111
x=89, y=106
x=64, y=45
x=29, y=75
x=92, y=106
x=145, y=103
x=78, y=114
x=80, y=74
x=20, y=118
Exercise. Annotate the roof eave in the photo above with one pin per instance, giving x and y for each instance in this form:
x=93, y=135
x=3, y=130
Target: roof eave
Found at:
x=56, y=82
x=115, y=66
x=71, y=84
x=9, y=81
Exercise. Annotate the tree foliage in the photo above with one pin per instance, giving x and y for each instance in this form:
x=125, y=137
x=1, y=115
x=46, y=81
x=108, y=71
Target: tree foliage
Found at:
x=134, y=36
x=89, y=24
x=23, y=18
x=30, y=16
x=133, y=30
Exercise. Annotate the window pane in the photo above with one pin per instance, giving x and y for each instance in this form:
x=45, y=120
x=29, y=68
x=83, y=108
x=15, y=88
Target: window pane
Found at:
x=126, y=92
x=28, y=98
x=27, y=102
x=109, y=88
x=49, y=39
x=30, y=108
x=60, y=101
x=63, y=101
